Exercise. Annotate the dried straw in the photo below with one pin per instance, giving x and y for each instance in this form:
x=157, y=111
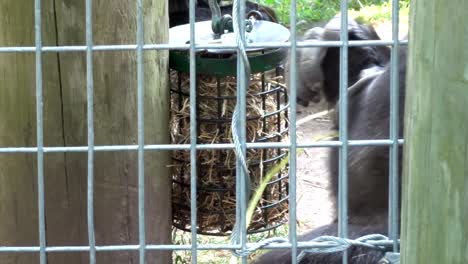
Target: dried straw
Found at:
x=216, y=199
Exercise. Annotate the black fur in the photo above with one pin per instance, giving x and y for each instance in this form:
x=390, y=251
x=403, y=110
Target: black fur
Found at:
x=358, y=227
x=180, y=12
x=176, y=6
x=359, y=58
x=319, y=67
x=369, y=118
x=368, y=167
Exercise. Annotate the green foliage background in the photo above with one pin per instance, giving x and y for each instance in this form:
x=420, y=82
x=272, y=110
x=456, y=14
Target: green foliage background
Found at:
x=310, y=12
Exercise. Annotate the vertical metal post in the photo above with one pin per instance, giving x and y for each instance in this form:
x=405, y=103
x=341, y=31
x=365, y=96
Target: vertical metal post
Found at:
x=239, y=186
x=193, y=134
x=394, y=128
x=343, y=128
x=293, y=136
x=241, y=102
x=40, y=132
x=90, y=123
x=141, y=133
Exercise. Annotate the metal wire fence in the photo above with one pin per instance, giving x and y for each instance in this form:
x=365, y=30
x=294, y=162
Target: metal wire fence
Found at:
x=140, y=47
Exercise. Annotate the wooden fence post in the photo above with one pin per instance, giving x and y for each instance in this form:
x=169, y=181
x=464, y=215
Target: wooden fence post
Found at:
x=435, y=184
x=115, y=113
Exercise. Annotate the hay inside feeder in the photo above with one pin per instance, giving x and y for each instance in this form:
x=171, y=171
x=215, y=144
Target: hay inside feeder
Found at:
x=266, y=121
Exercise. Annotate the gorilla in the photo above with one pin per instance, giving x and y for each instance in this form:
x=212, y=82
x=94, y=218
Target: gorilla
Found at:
x=368, y=118
x=319, y=67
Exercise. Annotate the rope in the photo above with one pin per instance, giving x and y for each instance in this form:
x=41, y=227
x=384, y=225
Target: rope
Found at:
x=338, y=244
x=259, y=245
x=240, y=155
x=330, y=244
x=235, y=116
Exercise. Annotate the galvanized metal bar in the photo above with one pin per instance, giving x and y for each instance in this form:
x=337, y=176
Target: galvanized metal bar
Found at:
x=40, y=133
x=158, y=147
x=239, y=174
x=360, y=143
x=235, y=12
x=184, y=247
x=293, y=134
x=394, y=128
x=140, y=38
x=130, y=47
x=343, y=129
x=242, y=104
x=193, y=134
x=90, y=124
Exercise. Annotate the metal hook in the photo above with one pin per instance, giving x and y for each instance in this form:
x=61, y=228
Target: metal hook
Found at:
x=220, y=23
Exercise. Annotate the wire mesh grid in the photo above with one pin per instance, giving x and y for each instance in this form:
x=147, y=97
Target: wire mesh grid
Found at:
x=142, y=247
